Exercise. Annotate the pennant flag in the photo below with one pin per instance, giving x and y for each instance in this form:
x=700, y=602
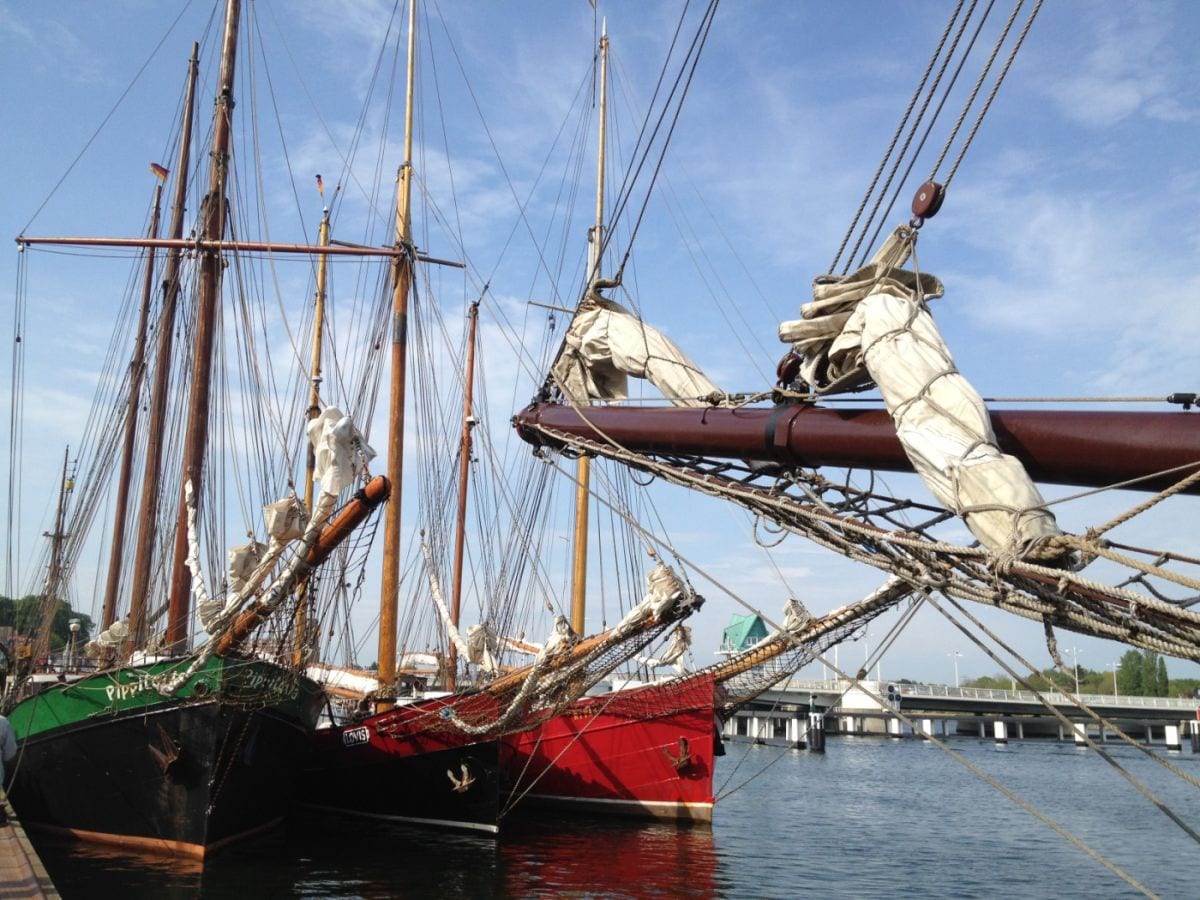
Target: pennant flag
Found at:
x=320, y=186
x=159, y=172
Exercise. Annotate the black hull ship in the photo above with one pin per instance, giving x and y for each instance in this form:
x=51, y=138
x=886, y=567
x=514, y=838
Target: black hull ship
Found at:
x=106, y=759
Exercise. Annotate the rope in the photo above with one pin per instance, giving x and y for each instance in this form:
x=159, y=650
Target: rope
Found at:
x=1128, y=776
x=995, y=89
x=896, y=137
x=1020, y=586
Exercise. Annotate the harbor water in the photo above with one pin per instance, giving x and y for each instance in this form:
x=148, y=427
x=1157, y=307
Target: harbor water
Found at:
x=871, y=817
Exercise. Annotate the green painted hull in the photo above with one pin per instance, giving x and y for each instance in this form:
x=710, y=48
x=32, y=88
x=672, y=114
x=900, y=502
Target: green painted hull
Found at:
x=242, y=682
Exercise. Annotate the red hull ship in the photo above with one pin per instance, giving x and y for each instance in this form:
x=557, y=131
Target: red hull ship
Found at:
x=646, y=751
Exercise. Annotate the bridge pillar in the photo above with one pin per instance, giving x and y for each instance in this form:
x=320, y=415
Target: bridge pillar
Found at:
x=927, y=728
x=1173, y=737
x=1020, y=730
x=1196, y=736
x=1079, y=729
x=1000, y=731
x=847, y=724
x=797, y=733
x=982, y=729
x=894, y=728
x=816, y=732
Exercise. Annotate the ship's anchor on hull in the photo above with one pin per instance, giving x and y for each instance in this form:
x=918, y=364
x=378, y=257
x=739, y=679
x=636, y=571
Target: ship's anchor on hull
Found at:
x=463, y=784
x=168, y=755
x=684, y=759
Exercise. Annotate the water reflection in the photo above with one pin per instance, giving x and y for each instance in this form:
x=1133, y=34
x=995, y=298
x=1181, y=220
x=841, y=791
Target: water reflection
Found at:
x=593, y=856
x=868, y=818
x=537, y=856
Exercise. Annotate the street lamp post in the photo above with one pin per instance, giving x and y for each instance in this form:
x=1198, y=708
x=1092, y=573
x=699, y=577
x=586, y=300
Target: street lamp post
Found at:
x=954, y=654
x=1075, y=659
x=73, y=624
x=1114, y=668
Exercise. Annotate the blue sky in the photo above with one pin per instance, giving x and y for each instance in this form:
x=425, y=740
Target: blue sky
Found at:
x=1067, y=243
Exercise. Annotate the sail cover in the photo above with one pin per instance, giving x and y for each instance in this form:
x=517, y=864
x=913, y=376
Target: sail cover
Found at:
x=606, y=343
x=874, y=326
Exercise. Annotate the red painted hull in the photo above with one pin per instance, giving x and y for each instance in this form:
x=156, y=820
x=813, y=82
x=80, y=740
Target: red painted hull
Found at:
x=645, y=752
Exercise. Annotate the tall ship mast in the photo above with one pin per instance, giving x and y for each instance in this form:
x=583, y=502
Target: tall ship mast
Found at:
x=145, y=749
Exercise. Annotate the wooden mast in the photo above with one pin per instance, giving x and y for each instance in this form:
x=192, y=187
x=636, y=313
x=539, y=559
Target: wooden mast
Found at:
x=211, y=264
x=314, y=409
x=54, y=570
x=464, y=468
x=402, y=282
x=584, y=470
x=137, y=368
x=156, y=424
x=51, y=594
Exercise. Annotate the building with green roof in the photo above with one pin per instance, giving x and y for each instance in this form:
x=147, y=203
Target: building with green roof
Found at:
x=742, y=632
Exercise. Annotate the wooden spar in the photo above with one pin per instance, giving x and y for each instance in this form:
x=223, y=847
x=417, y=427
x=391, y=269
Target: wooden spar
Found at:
x=464, y=469
x=1073, y=447
x=581, y=649
x=389, y=595
x=137, y=368
x=314, y=410
x=815, y=629
x=339, y=528
x=208, y=302
x=583, y=474
x=148, y=531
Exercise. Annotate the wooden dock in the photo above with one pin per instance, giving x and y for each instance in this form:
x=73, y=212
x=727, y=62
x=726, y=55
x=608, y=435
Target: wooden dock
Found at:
x=22, y=875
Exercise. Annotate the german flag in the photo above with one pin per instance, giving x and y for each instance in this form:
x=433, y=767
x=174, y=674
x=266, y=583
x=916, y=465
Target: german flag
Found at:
x=159, y=171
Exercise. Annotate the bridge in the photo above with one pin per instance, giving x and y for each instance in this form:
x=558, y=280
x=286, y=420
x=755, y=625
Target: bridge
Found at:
x=870, y=707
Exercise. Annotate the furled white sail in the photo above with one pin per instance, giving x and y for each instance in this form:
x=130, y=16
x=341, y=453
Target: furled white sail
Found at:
x=472, y=648
x=606, y=343
x=874, y=326
x=681, y=642
x=339, y=448
x=341, y=454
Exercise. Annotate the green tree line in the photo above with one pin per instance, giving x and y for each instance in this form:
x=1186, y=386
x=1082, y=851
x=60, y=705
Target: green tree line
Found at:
x=1139, y=673
x=24, y=616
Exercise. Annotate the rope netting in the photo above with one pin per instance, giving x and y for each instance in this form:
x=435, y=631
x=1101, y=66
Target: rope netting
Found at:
x=546, y=690
x=866, y=527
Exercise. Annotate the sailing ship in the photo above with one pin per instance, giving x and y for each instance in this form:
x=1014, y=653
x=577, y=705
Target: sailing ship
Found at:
x=870, y=327
x=442, y=759
x=156, y=745
x=739, y=461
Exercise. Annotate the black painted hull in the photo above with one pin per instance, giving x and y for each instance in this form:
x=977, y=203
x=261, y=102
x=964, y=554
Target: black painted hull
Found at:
x=183, y=779
x=359, y=772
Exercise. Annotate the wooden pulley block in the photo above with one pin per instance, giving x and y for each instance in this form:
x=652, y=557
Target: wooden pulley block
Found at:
x=788, y=368
x=928, y=200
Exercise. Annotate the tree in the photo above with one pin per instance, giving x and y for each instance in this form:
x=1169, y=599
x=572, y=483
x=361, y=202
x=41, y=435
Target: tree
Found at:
x=1162, y=684
x=1129, y=673
x=25, y=617
x=1149, y=673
